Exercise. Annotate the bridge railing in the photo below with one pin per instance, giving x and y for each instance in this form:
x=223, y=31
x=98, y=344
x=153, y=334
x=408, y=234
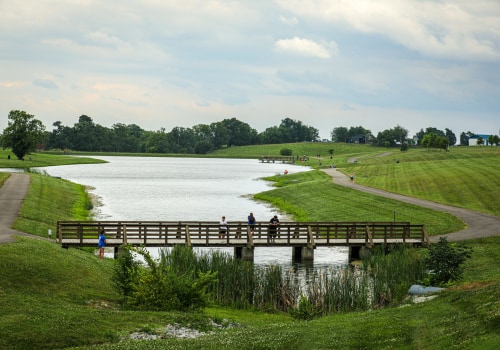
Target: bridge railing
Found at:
x=169, y=233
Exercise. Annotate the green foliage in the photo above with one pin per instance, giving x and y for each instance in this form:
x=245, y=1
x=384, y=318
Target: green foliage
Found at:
x=445, y=262
x=304, y=310
x=393, y=269
x=286, y=152
x=125, y=273
x=23, y=133
x=162, y=286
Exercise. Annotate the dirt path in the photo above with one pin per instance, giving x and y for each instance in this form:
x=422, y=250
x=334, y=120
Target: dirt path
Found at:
x=478, y=224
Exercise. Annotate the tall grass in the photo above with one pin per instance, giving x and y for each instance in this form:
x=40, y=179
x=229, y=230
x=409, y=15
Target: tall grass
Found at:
x=383, y=280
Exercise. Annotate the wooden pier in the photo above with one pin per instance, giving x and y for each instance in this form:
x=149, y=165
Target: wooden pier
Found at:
x=303, y=237
x=274, y=159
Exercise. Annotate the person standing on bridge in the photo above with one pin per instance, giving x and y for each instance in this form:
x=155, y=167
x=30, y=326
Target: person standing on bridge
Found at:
x=222, y=227
x=101, y=244
x=273, y=227
x=251, y=223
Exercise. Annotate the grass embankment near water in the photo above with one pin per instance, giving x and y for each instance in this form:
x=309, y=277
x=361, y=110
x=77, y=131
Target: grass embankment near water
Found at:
x=41, y=160
x=312, y=196
x=53, y=298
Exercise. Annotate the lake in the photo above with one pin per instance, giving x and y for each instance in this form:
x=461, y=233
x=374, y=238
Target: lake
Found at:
x=188, y=189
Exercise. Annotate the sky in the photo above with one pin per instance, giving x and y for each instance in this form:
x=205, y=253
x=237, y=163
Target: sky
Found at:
x=326, y=63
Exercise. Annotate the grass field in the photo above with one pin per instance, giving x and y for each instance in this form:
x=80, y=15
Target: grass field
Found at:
x=53, y=298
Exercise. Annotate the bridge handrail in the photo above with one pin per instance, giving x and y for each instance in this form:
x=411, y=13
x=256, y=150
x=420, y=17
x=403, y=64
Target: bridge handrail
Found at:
x=238, y=233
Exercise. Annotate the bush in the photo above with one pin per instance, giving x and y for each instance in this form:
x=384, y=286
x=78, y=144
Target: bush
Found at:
x=304, y=311
x=286, y=152
x=445, y=262
x=161, y=287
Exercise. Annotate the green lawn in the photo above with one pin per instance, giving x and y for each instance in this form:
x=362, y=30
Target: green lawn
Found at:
x=53, y=298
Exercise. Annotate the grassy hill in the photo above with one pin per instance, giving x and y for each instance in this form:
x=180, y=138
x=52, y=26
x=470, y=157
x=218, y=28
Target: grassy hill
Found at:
x=53, y=298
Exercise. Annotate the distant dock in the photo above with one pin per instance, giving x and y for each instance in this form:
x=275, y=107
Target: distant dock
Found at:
x=274, y=159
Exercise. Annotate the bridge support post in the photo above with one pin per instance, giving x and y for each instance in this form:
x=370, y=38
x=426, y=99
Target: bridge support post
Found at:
x=244, y=253
x=358, y=252
x=303, y=253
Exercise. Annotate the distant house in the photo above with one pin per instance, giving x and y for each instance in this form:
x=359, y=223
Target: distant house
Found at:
x=357, y=139
x=473, y=139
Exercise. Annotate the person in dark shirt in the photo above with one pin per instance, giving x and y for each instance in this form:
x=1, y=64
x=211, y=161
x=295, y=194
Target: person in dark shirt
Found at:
x=273, y=227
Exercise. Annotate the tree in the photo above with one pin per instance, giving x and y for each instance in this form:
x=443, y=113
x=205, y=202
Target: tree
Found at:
x=464, y=139
x=23, y=133
x=393, y=136
x=493, y=140
x=451, y=136
x=339, y=134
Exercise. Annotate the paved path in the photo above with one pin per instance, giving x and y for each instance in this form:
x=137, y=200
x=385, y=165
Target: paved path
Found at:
x=478, y=224
x=14, y=190
x=12, y=194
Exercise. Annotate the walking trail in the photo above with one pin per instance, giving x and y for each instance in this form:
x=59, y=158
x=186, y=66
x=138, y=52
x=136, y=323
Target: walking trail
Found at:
x=14, y=190
x=478, y=224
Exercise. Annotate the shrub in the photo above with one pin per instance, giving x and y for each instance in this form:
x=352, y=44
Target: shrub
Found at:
x=304, y=311
x=125, y=272
x=161, y=286
x=445, y=262
x=286, y=152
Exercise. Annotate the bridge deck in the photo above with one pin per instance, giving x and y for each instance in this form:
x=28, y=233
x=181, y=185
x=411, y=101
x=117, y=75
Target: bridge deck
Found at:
x=238, y=234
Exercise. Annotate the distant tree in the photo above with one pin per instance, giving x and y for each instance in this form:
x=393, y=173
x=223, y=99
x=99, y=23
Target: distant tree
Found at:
x=239, y=133
x=181, y=140
x=271, y=135
x=23, y=133
x=464, y=139
x=480, y=141
x=294, y=131
x=493, y=140
x=85, y=135
x=421, y=133
x=496, y=139
x=451, y=136
x=393, y=136
x=60, y=137
x=220, y=133
x=339, y=134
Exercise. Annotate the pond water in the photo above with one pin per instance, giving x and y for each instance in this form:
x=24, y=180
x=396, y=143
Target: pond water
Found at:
x=188, y=189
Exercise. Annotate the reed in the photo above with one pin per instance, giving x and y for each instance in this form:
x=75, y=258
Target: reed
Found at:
x=382, y=280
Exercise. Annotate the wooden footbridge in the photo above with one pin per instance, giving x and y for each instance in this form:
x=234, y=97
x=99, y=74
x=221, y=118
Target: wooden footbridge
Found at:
x=303, y=237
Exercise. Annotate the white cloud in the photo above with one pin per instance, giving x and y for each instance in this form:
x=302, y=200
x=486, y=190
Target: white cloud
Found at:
x=165, y=63
x=289, y=20
x=305, y=47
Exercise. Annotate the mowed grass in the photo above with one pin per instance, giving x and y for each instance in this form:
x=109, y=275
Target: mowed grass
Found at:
x=41, y=160
x=464, y=177
x=312, y=196
x=43, y=206
x=53, y=298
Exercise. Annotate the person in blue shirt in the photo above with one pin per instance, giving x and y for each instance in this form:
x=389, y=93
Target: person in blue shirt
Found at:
x=251, y=223
x=101, y=244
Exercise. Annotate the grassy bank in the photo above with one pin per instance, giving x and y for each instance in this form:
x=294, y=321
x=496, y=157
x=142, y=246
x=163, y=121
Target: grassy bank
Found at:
x=312, y=196
x=52, y=298
x=41, y=160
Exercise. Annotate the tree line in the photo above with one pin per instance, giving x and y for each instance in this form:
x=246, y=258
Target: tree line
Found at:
x=25, y=134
